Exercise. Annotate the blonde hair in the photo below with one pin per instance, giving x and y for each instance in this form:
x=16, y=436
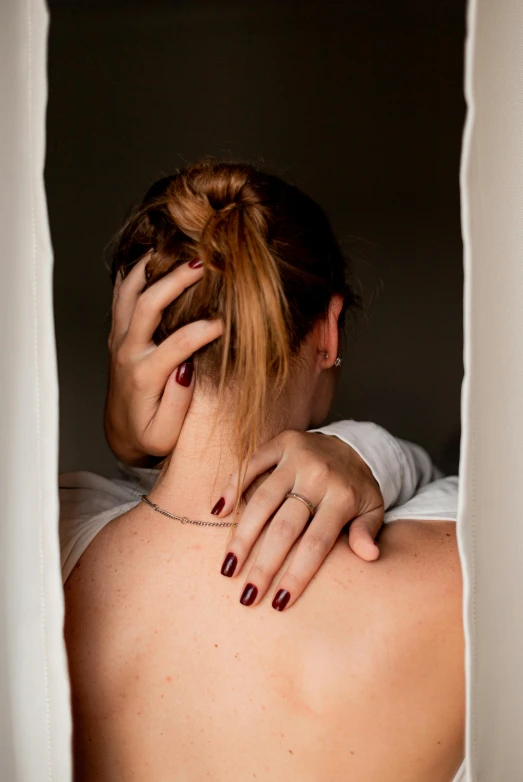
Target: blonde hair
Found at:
x=271, y=266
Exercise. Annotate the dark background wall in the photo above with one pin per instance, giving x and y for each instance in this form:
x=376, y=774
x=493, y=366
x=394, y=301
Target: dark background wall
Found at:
x=358, y=102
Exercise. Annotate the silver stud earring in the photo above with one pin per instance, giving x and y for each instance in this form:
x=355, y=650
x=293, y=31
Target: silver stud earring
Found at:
x=326, y=355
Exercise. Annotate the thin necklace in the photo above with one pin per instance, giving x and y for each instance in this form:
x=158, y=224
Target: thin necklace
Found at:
x=184, y=519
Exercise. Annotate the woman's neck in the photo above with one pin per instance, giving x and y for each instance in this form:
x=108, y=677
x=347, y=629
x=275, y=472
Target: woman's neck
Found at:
x=204, y=459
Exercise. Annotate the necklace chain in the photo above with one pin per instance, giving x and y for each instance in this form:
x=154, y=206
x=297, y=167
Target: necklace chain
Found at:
x=184, y=519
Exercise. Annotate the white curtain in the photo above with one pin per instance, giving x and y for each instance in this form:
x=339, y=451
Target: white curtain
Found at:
x=35, y=724
x=491, y=495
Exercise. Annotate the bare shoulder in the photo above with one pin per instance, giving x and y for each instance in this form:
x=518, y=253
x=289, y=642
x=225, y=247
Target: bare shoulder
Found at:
x=416, y=557
x=401, y=612
x=100, y=596
x=416, y=582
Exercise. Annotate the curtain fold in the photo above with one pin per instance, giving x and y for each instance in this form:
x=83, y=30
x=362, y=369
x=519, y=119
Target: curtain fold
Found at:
x=490, y=525
x=35, y=722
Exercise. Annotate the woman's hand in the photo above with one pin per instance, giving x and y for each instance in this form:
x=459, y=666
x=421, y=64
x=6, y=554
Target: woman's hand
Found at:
x=338, y=483
x=150, y=387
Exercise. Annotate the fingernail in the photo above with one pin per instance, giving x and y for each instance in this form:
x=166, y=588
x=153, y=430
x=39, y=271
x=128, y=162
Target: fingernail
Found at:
x=229, y=565
x=184, y=373
x=249, y=595
x=196, y=263
x=218, y=508
x=281, y=599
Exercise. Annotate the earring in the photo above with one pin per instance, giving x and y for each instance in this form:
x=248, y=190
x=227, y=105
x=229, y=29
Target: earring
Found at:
x=338, y=361
x=326, y=355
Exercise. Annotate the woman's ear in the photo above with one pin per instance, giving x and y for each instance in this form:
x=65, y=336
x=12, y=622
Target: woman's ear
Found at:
x=328, y=333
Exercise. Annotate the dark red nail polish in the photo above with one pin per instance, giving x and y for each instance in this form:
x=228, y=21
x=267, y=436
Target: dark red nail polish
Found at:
x=249, y=595
x=229, y=565
x=281, y=599
x=196, y=263
x=218, y=507
x=184, y=373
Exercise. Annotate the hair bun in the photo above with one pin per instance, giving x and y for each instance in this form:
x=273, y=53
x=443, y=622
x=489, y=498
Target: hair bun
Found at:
x=271, y=264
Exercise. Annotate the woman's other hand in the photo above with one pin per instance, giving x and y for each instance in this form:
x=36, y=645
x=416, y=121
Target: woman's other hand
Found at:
x=150, y=387
x=338, y=483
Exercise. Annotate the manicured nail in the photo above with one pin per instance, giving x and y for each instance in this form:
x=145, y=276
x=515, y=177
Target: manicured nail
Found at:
x=229, y=565
x=249, y=595
x=218, y=508
x=281, y=599
x=196, y=263
x=184, y=373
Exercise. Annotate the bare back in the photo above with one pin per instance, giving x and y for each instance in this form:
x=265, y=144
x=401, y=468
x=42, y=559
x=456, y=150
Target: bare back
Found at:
x=174, y=680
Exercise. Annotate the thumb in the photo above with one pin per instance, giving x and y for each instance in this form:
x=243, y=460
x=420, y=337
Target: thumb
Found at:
x=164, y=428
x=362, y=532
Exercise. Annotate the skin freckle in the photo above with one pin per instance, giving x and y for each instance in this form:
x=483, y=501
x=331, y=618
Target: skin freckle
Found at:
x=291, y=752
x=168, y=678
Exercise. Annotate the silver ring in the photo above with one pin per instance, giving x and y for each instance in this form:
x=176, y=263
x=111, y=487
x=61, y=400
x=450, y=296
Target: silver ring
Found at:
x=293, y=496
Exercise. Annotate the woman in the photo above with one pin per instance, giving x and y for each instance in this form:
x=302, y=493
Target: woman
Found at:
x=171, y=678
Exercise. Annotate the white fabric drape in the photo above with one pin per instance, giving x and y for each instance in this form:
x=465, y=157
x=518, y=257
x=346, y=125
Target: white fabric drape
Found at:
x=35, y=723
x=491, y=496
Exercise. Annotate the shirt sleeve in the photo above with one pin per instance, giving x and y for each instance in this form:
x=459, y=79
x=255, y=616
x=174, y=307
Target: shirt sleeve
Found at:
x=400, y=468
x=438, y=501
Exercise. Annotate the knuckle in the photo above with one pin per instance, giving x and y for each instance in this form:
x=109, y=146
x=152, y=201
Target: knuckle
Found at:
x=345, y=494
x=319, y=543
x=259, y=573
x=358, y=527
x=122, y=356
x=144, y=304
x=290, y=439
x=232, y=487
x=140, y=377
x=239, y=545
x=255, y=456
x=319, y=472
x=283, y=528
x=292, y=582
x=184, y=342
x=261, y=499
